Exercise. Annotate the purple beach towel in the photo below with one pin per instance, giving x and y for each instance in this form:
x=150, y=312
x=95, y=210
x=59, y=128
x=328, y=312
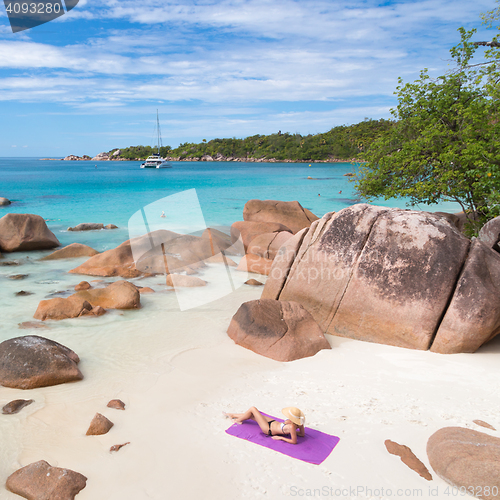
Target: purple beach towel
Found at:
x=314, y=447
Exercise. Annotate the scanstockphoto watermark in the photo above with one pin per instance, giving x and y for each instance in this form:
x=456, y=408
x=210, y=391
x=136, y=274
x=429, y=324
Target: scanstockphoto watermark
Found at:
x=356, y=492
x=383, y=492
x=26, y=14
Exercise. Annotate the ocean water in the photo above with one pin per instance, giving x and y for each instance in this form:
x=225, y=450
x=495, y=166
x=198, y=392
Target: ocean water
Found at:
x=66, y=193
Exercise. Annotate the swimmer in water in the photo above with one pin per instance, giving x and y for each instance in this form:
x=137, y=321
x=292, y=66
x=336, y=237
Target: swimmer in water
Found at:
x=163, y=214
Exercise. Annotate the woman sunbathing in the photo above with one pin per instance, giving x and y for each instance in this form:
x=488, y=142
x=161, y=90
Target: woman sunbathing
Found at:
x=293, y=425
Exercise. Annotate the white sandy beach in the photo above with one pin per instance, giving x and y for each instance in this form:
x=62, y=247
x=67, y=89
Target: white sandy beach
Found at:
x=178, y=371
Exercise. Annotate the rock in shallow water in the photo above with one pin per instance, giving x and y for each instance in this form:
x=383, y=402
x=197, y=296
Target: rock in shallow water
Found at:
x=71, y=251
x=20, y=232
x=32, y=361
x=41, y=481
x=289, y=213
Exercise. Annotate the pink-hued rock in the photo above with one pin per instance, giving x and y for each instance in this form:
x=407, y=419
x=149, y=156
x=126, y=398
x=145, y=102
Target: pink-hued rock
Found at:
x=71, y=251
x=255, y=264
x=99, y=425
x=283, y=331
x=146, y=289
x=376, y=274
x=401, y=283
x=267, y=245
x=467, y=459
x=473, y=315
x=324, y=263
x=19, y=232
x=281, y=265
x=289, y=213
x=41, y=481
x=118, y=295
x=31, y=361
x=490, y=234
x=250, y=230
x=484, y=424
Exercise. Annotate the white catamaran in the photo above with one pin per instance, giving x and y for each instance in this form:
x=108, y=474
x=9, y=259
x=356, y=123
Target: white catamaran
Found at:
x=155, y=160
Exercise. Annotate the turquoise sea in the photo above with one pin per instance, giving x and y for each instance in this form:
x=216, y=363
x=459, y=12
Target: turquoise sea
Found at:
x=66, y=193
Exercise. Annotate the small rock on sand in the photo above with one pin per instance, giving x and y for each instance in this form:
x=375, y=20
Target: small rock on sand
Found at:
x=23, y=293
x=116, y=447
x=99, y=425
x=117, y=404
x=253, y=282
x=18, y=276
x=16, y=406
x=484, y=424
x=408, y=458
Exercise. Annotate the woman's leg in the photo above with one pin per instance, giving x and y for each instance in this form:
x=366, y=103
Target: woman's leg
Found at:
x=252, y=414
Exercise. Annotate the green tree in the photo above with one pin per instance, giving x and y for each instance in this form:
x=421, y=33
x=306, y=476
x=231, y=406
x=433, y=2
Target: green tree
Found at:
x=444, y=144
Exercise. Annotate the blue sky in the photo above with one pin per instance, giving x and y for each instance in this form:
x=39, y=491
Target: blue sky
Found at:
x=92, y=80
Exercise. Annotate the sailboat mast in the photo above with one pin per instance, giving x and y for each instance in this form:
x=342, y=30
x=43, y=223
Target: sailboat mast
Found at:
x=158, y=128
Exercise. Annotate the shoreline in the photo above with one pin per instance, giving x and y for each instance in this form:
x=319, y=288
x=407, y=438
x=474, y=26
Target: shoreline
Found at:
x=203, y=159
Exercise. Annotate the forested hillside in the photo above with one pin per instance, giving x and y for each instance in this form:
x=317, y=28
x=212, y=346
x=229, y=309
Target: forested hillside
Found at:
x=340, y=143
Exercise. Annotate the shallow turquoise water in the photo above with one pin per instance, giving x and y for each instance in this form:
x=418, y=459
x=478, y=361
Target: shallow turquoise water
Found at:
x=66, y=193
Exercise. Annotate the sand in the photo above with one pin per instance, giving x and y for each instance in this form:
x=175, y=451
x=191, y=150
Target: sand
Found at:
x=177, y=371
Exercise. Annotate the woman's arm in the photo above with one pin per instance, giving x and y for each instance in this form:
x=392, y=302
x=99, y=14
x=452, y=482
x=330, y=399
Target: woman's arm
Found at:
x=288, y=440
x=293, y=435
x=302, y=431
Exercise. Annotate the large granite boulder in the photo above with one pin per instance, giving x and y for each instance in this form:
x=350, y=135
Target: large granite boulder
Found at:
x=247, y=231
x=118, y=295
x=20, y=232
x=254, y=264
x=41, y=481
x=280, y=330
x=71, y=251
x=4, y=202
x=267, y=245
x=282, y=263
x=158, y=252
x=62, y=308
x=31, y=361
x=289, y=213
x=467, y=459
x=376, y=274
x=490, y=234
x=473, y=315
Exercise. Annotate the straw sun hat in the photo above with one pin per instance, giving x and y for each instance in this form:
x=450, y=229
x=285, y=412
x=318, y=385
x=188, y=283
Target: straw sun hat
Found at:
x=294, y=414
